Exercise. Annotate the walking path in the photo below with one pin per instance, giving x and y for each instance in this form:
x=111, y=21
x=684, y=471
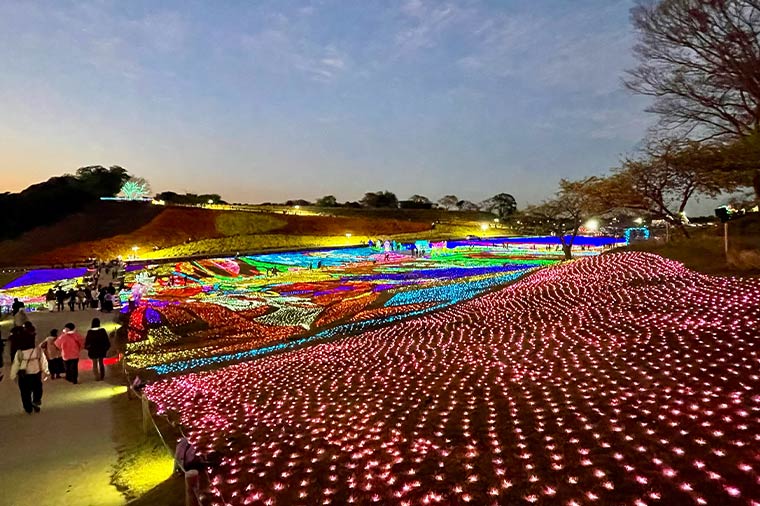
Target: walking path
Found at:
x=65, y=454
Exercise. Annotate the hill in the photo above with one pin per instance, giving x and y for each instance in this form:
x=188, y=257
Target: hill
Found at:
x=107, y=230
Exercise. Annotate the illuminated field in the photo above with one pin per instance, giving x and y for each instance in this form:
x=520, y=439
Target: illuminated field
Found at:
x=205, y=313
x=619, y=379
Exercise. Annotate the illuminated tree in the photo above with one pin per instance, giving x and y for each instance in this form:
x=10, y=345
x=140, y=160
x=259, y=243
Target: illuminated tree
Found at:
x=136, y=188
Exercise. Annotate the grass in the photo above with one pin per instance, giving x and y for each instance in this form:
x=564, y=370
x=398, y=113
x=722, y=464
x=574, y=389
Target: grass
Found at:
x=704, y=250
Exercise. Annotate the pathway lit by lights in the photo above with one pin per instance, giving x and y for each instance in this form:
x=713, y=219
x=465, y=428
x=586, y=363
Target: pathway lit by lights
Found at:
x=619, y=379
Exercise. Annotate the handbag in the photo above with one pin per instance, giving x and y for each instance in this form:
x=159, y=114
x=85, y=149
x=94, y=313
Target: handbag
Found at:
x=22, y=370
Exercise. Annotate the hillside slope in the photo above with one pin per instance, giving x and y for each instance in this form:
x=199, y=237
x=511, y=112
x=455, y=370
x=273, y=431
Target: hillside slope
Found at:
x=111, y=229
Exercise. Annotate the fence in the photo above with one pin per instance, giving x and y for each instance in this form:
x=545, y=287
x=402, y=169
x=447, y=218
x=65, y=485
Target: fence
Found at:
x=192, y=476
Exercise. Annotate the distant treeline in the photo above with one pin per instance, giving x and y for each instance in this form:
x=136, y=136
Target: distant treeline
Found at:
x=190, y=198
x=58, y=197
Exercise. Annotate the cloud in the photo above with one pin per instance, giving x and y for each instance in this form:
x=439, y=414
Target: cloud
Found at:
x=285, y=46
x=425, y=23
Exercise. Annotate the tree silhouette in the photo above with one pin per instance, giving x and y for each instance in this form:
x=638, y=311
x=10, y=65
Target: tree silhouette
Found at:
x=448, y=202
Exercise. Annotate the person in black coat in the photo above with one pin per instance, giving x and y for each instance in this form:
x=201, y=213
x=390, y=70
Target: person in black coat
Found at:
x=72, y=296
x=16, y=307
x=60, y=298
x=97, y=344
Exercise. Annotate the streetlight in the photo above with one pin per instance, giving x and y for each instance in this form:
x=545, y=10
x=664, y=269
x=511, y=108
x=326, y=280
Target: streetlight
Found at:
x=348, y=235
x=592, y=225
x=210, y=201
x=484, y=226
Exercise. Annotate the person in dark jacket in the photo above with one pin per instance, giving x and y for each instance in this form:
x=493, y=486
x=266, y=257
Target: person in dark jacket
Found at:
x=21, y=339
x=72, y=296
x=97, y=344
x=60, y=298
x=16, y=307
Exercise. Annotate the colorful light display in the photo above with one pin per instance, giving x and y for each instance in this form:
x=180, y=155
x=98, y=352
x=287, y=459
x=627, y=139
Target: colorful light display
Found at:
x=241, y=308
x=619, y=379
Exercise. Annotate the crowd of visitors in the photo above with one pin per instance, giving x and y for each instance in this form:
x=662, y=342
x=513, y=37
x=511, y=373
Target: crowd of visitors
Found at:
x=32, y=364
x=82, y=297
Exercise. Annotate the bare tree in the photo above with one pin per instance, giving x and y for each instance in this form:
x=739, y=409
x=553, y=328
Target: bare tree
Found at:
x=665, y=179
x=700, y=59
x=562, y=216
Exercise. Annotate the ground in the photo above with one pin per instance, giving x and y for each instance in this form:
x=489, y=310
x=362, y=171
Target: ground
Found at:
x=703, y=251
x=69, y=452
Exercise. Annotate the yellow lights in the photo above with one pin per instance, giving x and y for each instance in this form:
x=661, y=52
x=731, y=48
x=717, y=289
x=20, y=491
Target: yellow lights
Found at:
x=484, y=226
x=348, y=235
x=592, y=225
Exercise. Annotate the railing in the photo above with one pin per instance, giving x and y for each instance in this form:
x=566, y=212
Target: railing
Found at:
x=192, y=476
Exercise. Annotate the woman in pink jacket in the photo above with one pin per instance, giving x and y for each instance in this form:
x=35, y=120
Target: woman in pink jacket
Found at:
x=71, y=344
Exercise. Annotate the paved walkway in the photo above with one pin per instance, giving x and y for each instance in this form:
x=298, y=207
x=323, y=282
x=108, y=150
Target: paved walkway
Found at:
x=65, y=454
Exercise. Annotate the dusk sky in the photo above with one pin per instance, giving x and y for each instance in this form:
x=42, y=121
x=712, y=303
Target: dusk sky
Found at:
x=270, y=100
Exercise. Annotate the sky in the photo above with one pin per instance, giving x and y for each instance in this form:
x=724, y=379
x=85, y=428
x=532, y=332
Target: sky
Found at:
x=271, y=100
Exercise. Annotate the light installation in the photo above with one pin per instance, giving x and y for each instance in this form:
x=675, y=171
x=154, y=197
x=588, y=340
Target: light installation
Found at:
x=235, y=309
x=619, y=379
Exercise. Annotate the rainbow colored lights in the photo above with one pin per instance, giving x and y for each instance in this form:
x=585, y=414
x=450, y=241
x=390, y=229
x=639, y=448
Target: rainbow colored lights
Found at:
x=212, y=312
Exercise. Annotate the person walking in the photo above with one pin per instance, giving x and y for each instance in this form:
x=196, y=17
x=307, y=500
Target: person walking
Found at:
x=81, y=298
x=70, y=343
x=94, y=297
x=16, y=306
x=50, y=299
x=53, y=355
x=20, y=318
x=20, y=340
x=72, y=296
x=97, y=345
x=28, y=366
x=60, y=298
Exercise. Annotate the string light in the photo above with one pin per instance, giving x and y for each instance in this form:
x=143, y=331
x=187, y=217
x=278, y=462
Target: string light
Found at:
x=638, y=376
